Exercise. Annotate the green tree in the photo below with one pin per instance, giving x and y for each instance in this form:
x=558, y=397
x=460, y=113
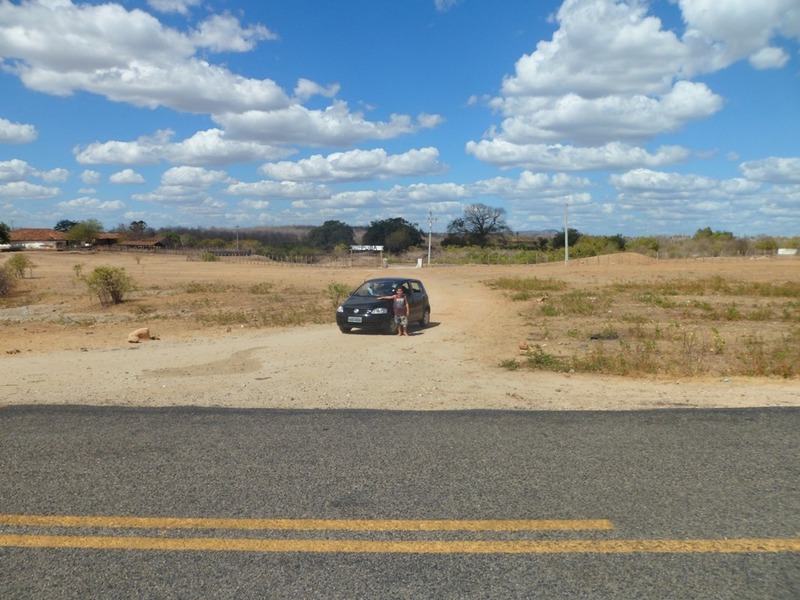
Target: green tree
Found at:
x=329, y=235
x=18, y=263
x=480, y=226
x=558, y=239
x=65, y=225
x=110, y=284
x=396, y=232
x=5, y=233
x=85, y=232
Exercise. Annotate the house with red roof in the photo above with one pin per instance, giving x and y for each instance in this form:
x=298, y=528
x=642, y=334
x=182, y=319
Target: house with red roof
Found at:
x=37, y=239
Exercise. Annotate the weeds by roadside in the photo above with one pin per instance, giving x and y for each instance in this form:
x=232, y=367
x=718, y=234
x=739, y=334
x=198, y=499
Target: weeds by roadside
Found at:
x=710, y=326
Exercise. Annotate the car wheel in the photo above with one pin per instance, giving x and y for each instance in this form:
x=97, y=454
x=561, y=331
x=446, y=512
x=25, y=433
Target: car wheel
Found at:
x=426, y=318
x=344, y=329
x=391, y=328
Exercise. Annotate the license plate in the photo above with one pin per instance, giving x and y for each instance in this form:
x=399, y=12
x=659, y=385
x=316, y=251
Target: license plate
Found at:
x=354, y=319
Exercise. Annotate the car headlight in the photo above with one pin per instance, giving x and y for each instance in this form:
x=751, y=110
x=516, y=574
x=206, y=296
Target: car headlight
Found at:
x=380, y=311
x=340, y=309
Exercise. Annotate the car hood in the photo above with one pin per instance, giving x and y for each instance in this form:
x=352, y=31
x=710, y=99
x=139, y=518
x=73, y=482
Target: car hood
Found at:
x=363, y=303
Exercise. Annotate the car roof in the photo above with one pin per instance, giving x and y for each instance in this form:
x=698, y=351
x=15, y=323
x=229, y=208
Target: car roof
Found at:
x=391, y=279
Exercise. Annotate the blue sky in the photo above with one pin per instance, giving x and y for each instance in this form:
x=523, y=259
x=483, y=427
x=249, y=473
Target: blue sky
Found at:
x=643, y=117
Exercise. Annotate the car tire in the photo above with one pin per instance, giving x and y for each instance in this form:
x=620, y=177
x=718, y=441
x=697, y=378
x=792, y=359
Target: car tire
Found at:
x=426, y=318
x=391, y=328
x=344, y=329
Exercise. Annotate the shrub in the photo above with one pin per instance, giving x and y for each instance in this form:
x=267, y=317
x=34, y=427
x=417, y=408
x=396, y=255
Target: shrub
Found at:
x=18, y=263
x=336, y=292
x=110, y=284
x=7, y=282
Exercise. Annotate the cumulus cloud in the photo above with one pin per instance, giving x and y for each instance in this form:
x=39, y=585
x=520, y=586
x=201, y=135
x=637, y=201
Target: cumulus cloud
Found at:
x=129, y=56
x=356, y=165
x=17, y=170
x=772, y=170
x=334, y=126
x=279, y=189
x=224, y=33
x=92, y=204
x=174, y=6
x=559, y=157
x=16, y=133
x=90, y=177
x=721, y=32
x=613, y=73
x=204, y=148
x=23, y=190
x=126, y=176
x=644, y=187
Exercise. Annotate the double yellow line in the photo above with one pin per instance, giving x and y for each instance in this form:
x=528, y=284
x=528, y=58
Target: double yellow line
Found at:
x=208, y=544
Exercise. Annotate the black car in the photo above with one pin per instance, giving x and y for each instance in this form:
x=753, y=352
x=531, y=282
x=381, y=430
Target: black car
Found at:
x=364, y=310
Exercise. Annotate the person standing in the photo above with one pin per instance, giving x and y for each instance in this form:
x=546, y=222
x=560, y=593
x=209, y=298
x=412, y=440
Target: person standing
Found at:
x=401, y=308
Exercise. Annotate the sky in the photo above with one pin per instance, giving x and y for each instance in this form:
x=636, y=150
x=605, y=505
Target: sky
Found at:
x=632, y=117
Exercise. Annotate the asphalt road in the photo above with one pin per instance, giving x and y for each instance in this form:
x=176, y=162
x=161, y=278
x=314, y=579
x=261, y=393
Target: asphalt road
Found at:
x=204, y=503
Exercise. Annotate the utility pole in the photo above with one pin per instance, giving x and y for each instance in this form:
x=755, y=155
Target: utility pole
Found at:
x=431, y=221
x=566, y=235
x=237, y=239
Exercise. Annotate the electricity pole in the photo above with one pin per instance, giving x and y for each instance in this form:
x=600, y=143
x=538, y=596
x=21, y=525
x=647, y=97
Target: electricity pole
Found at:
x=431, y=221
x=566, y=235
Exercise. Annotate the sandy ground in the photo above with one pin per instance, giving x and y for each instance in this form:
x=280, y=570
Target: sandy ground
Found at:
x=452, y=365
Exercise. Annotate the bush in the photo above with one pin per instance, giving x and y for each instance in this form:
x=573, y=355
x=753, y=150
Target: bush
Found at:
x=18, y=263
x=7, y=282
x=110, y=284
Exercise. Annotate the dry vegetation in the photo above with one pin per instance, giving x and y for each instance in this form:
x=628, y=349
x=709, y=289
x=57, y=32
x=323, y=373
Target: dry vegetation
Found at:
x=628, y=315
x=711, y=325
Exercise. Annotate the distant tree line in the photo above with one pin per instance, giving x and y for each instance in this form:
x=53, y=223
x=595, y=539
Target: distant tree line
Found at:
x=480, y=227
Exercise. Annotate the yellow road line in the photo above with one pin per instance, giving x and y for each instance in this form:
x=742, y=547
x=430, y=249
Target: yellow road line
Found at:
x=304, y=524
x=408, y=547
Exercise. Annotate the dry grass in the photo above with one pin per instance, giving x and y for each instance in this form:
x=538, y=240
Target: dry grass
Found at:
x=716, y=325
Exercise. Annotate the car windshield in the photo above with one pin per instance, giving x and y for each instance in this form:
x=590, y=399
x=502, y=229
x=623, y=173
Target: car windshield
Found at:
x=375, y=288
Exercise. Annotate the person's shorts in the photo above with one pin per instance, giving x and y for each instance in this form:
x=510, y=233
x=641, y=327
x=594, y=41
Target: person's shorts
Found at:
x=402, y=321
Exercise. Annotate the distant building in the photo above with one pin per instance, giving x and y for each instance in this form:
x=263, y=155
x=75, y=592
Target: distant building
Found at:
x=148, y=244
x=105, y=240
x=38, y=239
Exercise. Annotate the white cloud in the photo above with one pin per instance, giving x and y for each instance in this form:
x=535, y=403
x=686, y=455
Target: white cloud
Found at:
x=128, y=56
x=772, y=170
x=174, y=6
x=279, y=189
x=92, y=204
x=769, y=58
x=22, y=190
x=54, y=175
x=223, y=33
x=90, y=177
x=19, y=170
x=722, y=32
x=356, y=165
x=193, y=177
x=334, y=126
x=559, y=157
x=589, y=121
x=16, y=133
x=126, y=176
x=306, y=89
x=445, y=5
x=613, y=73
x=204, y=148
x=689, y=192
